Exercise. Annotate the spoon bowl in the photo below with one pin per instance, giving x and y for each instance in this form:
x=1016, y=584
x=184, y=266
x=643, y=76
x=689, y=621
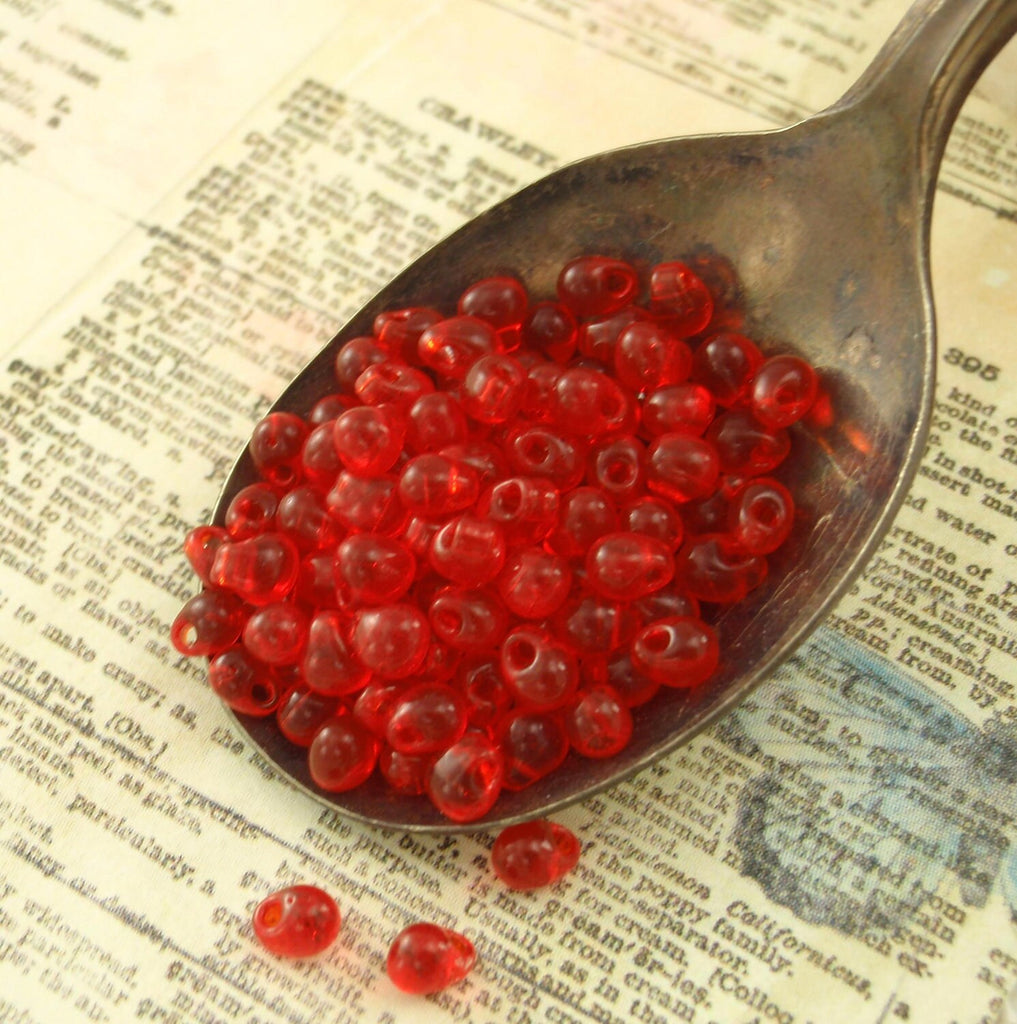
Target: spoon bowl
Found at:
x=827, y=225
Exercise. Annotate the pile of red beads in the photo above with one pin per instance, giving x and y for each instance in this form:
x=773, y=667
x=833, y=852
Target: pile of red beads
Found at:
x=493, y=539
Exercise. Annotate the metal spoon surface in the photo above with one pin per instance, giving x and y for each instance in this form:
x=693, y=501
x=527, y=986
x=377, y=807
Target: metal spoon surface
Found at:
x=827, y=224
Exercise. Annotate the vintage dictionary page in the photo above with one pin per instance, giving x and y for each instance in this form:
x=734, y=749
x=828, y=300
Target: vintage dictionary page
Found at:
x=193, y=197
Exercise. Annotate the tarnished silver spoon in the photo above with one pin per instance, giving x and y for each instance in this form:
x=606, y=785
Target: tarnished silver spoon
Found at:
x=827, y=223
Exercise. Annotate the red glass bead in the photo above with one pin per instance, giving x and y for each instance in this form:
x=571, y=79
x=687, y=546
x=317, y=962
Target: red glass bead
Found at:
x=315, y=586
x=648, y=355
x=398, y=330
x=719, y=275
x=391, y=383
x=392, y=640
x=534, y=854
x=533, y=743
x=275, y=447
x=624, y=566
x=251, y=511
x=435, y=485
x=426, y=958
x=599, y=723
x=367, y=504
x=678, y=409
x=440, y=662
x=632, y=686
x=261, y=569
x=551, y=328
x=302, y=712
x=590, y=403
x=760, y=515
x=679, y=652
x=538, y=394
x=744, y=446
x=243, y=683
x=355, y=356
x=374, y=704
x=783, y=391
x=538, y=668
x=708, y=515
x=500, y=301
x=681, y=468
x=714, y=568
x=434, y=421
x=329, y=665
x=598, y=337
x=468, y=549
x=668, y=601
x=487, y=696
x=592, y=625
x=327, y=408
x=450, y=347
x=526, y=508
x=372, y=569
x=534, y=582
x=726, y=363
x=539, y=450
x=494, y=388
x=369, y=438
x=680, y=298
x=467, y=620
x=617, y=466
x=488, y=460
x=426, y=718
x=342, y=754
x=597, y=285
x=276, y=633
x=586, y=514
x=654, y=517
x=303, y=518
x=200, y=546
x=299, y=921
x=405, y=773
x=466, y=779
x=319, y=460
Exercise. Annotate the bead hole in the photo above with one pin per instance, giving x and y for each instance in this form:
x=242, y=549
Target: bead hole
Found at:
x=521, y=654
x=510, y=499
x=263, y=695
x=657, y=641
x=448, y=621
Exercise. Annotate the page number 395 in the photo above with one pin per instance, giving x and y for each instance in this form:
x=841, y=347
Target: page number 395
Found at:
x=971, y=364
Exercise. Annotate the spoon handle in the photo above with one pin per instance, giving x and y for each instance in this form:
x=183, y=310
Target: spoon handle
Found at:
x=924, y=71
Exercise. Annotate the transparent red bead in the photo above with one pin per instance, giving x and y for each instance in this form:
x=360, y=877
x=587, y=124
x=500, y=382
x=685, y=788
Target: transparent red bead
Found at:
x=679, y=652
x=726, y=363
x=597, y=285
x=319, y=460
x=783, y=391
x=599, y=723
x=450, y=347
x=468, y=620
x=534, y=582
x=243, y=683
x=744, y=446
x=494, y=388
x=500, y=301
x=716, y=569
x=261, y=569
x=405, y=773
x=670, y=600
x=374, y=704
x=647, y=355
x=538, y=668
x=468, y=549
x=315, y=586
x=586, y=514
x=434, y=421
x=329, y=665
x=303, y=518
x=372, y=569
x=392, y=640
x=298, y=921
x=435, y=485
x=633, y=687
x=426, y=958
x=367, y=504
x=680, y=297
x=534, y=854
x=541, y=450
x=760, y=515
x=391, y=383
x=425, y=719
x=551, y=328
x=302, y=712
x=200, y=546
x=533, y=743
x=440, y=662
x=327, y=408
x=354, y=357
x=590, y=403
x=251, y=511
x=624, y=566
x=618, y=466
x=398, y=330
x=526, y=508
x=275, y=447
x=369, y=438
x=466, y=779
x=276, y=633
x=681, y=468
x=598, y=337
x=654, y=517
x=483, y=456
x=678, y=409
x=487, y=696
x=592, y=625
x=342, y=754
x=719, y=275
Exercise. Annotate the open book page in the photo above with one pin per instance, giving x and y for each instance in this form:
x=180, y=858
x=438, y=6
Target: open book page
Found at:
x=193, y=228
